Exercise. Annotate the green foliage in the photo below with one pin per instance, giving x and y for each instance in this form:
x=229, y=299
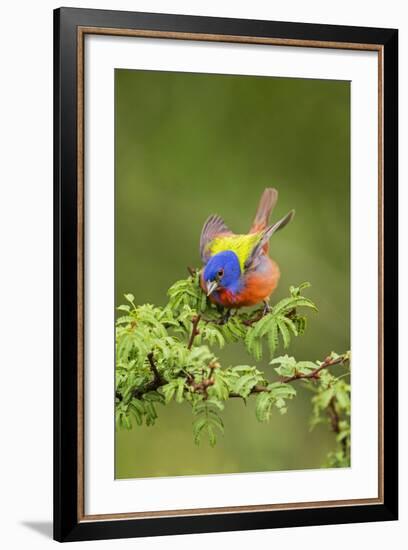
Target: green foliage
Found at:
x=331, y=399
x=166, y=354
x=187, y=292
x=280, y=324
x=207, y=419
x=331, y=406
x=276, y=395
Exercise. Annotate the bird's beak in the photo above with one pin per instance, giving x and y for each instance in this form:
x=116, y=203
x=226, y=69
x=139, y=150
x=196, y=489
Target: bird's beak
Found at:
x=211, y=286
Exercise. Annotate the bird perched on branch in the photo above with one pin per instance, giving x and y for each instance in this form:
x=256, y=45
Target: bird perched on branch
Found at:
x=237, y=269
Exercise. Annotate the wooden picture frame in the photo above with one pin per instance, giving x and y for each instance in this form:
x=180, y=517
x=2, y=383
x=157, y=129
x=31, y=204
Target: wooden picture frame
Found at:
x=70, y=28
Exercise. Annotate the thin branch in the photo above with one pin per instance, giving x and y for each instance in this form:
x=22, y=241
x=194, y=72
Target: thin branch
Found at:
x=191, y=270
x=155, y=383
x=335, y=422
x=205, y=383
x=255, y=319
x=157, y=378
x=261, y=313
x=256, y=389
x=334, y=417
x=314, y=374
x=219, y=321
x=202, y=387
x=194, y=331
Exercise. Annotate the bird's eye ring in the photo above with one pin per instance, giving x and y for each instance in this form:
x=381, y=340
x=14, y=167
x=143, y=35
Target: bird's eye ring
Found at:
x=220, y=273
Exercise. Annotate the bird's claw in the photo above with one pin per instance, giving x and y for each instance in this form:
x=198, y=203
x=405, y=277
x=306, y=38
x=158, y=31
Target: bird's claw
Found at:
x=226, y=316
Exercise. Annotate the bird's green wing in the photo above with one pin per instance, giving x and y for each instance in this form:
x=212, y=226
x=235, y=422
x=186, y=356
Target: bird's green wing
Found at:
x=242, y=245
x=216, y=237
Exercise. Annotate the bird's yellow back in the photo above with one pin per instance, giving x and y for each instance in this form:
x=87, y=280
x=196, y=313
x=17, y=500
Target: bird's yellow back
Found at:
x=242, y=245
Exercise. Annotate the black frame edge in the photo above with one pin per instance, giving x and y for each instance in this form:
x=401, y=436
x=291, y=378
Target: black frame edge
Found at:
x=57, y=473
x=65, y=278
x=390, y=260
x=66, y=525
x=216, y=523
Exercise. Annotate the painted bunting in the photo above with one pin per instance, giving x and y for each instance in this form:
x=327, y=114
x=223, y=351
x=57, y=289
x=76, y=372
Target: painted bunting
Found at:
x=237, y=269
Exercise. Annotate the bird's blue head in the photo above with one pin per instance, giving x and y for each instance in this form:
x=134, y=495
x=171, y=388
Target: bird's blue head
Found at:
x=223, y=271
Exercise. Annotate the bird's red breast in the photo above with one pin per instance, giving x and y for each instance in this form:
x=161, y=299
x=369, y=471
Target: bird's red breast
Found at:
x=258, y=285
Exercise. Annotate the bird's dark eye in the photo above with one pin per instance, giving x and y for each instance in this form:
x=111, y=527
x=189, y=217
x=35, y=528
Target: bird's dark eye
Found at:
x=220, y=273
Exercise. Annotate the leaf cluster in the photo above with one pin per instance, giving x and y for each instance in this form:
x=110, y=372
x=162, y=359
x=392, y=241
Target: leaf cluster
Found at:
x=166, y=354
x=280, y=324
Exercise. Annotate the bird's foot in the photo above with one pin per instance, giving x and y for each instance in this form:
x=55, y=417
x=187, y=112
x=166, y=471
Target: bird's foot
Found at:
x=266, y=309
x=226, y=316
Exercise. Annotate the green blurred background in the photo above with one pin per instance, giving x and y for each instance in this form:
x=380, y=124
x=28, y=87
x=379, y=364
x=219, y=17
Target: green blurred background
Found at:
x=189, y=145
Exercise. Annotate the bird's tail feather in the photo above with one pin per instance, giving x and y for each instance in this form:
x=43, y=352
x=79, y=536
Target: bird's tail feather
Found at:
x=263, y=243
x=266, y=204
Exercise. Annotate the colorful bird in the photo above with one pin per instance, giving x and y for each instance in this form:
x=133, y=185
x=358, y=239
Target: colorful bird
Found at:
x=237, y=269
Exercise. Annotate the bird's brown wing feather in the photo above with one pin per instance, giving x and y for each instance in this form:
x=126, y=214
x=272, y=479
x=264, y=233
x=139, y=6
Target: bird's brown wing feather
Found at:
x=267, y=234
x=213, y=226
x=266, y=204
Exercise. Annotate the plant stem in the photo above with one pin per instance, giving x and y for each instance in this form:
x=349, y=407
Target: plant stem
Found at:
x=335, y=422
x=256, y=389
x=156, y=374
x=191, y=270
x=255, y=319
x=328, y=362
x=153, y=385
x=194, y=331
x=334, y=417
x=202, y=387
x=314, y=374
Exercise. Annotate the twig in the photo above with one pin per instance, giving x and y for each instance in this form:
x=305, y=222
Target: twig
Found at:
x=151, y=386
x=314, y=374
x=261, y=313
x=191, y=270
x=157, y=377
x=334, y=417
x=255, y=319
x=201, y=387
x=256, y=389
x=194, y=331
x=247, y=322
x=207, y=320
x=335, y=422
x=328, y=362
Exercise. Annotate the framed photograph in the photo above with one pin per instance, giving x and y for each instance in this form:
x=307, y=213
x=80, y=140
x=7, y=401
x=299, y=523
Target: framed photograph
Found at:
x=225, y=274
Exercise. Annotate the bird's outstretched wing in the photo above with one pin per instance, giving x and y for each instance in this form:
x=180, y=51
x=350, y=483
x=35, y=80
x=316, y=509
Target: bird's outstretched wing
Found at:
x=266, y=235
x=213, y=227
